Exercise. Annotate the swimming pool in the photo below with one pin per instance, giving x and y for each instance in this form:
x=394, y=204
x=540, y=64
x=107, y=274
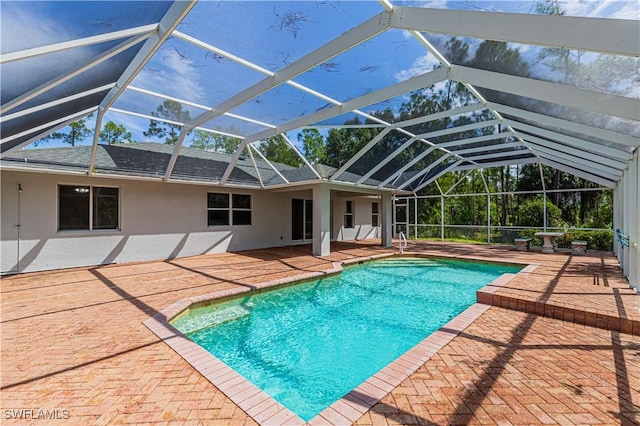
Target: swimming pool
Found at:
x=307, y=345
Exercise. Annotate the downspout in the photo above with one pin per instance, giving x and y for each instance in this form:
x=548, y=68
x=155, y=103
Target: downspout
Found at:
x=18, y=225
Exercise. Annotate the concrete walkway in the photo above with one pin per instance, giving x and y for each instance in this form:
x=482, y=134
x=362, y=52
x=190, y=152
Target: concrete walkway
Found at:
x=74, y=346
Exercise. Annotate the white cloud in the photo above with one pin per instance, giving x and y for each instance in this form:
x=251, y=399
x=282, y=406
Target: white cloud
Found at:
x=434, y=4
x=135, y=125
x=42, y=30
x=616, y=9
x=630, y=10
x=176, y=72
x=421, y=65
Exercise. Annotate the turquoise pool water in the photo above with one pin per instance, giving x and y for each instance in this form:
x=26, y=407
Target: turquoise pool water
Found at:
x=310, y=344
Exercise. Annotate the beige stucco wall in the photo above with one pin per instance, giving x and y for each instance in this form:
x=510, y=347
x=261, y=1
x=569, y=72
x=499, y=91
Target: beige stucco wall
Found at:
x=362, y=218
x=157, y=221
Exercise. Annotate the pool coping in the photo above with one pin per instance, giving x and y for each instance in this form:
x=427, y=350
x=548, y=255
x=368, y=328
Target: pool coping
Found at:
x=266, y=410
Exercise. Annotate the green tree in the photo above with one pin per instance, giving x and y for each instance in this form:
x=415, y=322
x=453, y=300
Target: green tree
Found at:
x=171, y=110
x=499, y=57
x=531, y=213
x=344, y=143
x=314, y=146
x=216, y=142
x=276, y=149
x=78, y=132
x=113, y=133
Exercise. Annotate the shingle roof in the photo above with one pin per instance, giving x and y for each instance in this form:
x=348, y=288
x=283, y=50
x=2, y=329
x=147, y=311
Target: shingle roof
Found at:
x=150, y=160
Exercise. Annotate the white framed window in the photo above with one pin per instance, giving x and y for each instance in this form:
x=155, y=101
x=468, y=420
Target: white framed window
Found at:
x=228, y=209
x=241, y=209
x=88, y=208
x=348, y=214
x=375, y=216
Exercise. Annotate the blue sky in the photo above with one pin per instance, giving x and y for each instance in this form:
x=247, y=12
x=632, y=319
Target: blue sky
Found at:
x=271, y=35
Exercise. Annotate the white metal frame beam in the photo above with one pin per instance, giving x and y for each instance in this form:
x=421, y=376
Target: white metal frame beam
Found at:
x=570, y=126
x=407, y=166
x=497, y=155
x=602, y=103
x=391, y=156
x=168, y=121
x=560, y=138
x=461, y=142
x=439, y=115
x=580, y=173
x=566, y=32
x=460, y=129
x=73, y=44
x=286, y=181
x=486, y=148
x=169, y=22
x=360, y=153
x=45, y=87
x=607, y=174
x=510, y=162
x=449, y=168
x=536, y=144
x=399, y=126
x=340, y=44
x=302, y=157
x=335, y=47
x=199, y=106
x=48, y=127
x=424, y=171
x=57, y=102
x=388, y=92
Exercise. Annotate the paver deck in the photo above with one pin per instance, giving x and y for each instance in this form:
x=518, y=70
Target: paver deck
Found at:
x=74, y=344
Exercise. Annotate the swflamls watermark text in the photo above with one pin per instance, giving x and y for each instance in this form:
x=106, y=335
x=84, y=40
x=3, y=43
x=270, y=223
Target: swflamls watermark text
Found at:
x=36, y=414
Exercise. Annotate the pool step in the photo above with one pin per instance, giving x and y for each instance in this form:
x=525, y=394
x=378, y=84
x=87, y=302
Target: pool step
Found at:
x=211, y=319
x=404, y=262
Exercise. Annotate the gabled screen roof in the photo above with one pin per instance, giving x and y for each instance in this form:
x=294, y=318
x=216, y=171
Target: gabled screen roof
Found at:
x=442, y=86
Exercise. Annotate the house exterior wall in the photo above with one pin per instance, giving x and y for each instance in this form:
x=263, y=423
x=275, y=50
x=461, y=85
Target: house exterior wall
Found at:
x=157, y=221
x=362, y=209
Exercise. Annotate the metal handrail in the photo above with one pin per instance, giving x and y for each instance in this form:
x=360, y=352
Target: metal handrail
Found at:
x=402, y=239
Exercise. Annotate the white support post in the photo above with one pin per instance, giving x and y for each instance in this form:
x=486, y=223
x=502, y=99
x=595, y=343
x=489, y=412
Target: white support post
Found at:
x=635, y=232
x=415, y=216
x=616, y=217
x=632, y=232
x=387, y=222
x=544, y=199
x=486, y=188
x=626, y=218
x=321, y=220
x=488, y=217
x=441, y=217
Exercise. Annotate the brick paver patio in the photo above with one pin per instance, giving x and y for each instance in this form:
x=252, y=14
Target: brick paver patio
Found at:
x=74, y=344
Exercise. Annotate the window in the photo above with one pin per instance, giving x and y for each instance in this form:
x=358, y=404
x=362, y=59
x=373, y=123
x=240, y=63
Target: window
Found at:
x=241, y=208
x=87, y=208
x=221, y=212
x=348, y=215
x=374, y=214
x=217, y=209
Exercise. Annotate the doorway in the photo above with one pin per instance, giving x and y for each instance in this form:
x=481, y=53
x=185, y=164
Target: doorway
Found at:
x=301, y=219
